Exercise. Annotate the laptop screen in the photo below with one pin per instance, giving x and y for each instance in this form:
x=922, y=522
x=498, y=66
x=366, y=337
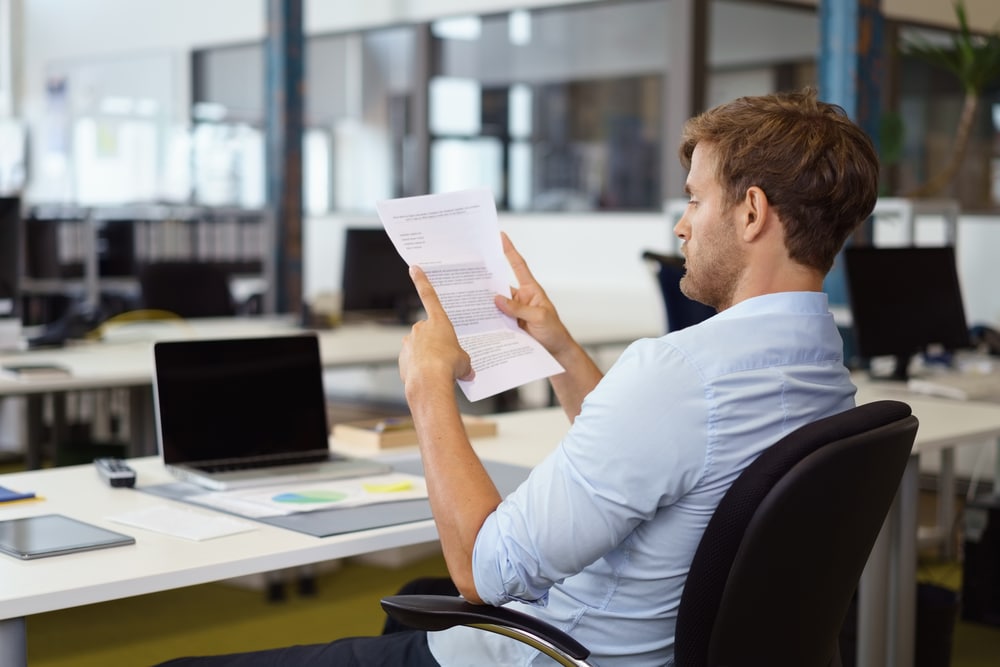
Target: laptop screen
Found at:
x=233, y=399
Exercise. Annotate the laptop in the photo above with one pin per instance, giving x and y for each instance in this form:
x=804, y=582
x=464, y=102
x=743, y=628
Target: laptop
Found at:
x=246, y=412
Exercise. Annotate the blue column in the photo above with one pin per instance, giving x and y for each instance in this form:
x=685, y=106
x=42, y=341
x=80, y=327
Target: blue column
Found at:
x=850, y=74
x=284, y=92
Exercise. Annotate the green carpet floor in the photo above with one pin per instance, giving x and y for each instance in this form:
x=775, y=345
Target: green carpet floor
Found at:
x=221, y=618
x=973, y=644
x=217, y=618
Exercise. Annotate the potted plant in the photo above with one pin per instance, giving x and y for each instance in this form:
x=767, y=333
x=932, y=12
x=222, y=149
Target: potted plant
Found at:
x=975, y=62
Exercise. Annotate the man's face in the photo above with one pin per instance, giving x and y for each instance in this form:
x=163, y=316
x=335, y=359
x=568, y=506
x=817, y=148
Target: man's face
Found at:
x=714, y=258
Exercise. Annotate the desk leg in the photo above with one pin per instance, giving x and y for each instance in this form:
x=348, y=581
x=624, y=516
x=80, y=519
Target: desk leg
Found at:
x=142, y=421
x=13, y=642
x=946, y=503
x=996, y=468
x=903, y=578
x=34, y=426
x=34, y=452
x=60, y=427
x=873, y=597
x=888, y=588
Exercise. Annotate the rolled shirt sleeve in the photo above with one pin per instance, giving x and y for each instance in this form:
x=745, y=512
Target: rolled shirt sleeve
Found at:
x=586, y=497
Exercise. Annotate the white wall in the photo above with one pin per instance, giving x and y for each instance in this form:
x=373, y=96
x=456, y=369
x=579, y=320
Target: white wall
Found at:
x=568, y=253
x=600, y=253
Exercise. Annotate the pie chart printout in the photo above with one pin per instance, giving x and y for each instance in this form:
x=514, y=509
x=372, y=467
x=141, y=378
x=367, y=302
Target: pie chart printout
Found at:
x=309, y=497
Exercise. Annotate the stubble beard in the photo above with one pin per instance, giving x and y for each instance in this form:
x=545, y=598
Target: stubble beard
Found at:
x=716, y=277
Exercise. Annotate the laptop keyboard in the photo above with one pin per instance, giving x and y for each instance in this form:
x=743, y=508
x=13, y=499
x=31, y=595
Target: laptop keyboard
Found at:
x=270, y=462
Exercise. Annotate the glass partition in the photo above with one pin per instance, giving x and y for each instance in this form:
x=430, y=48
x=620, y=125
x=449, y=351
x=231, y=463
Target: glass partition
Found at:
x=555, y=108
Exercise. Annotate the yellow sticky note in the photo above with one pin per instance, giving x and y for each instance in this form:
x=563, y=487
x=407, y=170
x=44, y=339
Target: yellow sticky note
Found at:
x=392, y=487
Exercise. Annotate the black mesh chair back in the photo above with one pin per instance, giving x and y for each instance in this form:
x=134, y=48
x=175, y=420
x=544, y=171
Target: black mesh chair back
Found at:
x=681, y=311
x=775, y=571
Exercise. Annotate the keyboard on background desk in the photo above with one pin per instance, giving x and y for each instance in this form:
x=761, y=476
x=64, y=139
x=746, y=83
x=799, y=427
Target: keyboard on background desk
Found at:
x=968, y=386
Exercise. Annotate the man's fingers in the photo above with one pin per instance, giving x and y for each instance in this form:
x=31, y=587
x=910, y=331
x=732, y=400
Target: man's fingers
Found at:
x=468, y=373
x=428, y=297
x=517, y=263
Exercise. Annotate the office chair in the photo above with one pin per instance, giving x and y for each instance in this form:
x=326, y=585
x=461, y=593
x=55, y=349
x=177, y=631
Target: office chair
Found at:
x=187, y=289
x=775, y=571
x=681, y=311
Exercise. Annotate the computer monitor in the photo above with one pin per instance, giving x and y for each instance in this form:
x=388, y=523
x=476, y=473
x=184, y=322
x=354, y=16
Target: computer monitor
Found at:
x=376, y=281
x=904, y=300
x=10, y=256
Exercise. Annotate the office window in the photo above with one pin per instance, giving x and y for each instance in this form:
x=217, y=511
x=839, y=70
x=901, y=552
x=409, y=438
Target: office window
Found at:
x=358, y=143
x=106, y=131
x=228, y=165
x=6, y=59
x=116, y=160
x=562, y=105
x=573, y=96
x=558, y=108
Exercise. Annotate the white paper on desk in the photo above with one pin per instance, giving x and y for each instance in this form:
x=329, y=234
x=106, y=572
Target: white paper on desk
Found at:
x=455, y=238
x=295, y=497
x=179, y=522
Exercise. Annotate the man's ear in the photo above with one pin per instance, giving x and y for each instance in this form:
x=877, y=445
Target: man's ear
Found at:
x=756, y=209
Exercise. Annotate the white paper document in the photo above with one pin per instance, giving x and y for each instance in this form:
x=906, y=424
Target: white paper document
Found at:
x=189, y=524
x=455, y=238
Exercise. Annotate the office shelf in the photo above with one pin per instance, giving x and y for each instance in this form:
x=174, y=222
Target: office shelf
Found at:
x=84, y=253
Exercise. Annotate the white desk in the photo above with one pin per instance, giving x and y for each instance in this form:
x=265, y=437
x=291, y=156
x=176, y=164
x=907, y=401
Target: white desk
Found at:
x=160, y=562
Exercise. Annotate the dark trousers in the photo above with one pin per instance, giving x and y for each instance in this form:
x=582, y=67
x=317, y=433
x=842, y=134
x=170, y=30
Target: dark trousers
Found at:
x=398, y=646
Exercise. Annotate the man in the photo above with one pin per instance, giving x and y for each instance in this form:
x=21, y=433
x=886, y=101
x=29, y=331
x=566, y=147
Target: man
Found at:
x=599, y=539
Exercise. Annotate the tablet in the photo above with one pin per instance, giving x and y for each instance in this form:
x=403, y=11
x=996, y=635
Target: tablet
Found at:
x=53, y=535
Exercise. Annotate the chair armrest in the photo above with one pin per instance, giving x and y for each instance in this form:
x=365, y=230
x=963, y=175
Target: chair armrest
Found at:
x=440, y=612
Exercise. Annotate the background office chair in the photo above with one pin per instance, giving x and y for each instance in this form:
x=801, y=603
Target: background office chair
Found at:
x=187, y=289
x=778, y=564
x=681, y=311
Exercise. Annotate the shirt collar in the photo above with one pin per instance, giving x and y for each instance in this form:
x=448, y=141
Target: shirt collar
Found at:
x=807, y=303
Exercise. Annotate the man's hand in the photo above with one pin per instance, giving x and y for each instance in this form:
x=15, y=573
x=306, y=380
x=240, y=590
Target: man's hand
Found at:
x=536, y=315
x=531, y=306
x=431, y=350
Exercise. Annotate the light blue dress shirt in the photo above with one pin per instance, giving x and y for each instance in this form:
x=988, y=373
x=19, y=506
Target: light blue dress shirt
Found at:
x=599, y=538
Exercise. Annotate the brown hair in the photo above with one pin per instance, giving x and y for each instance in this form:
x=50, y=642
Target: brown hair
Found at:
x=817, y=168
